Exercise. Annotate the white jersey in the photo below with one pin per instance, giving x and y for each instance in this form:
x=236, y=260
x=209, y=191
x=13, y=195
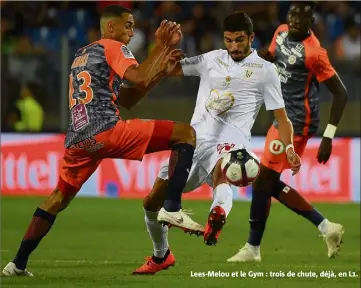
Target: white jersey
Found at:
x=229, y=98
x=231, y=93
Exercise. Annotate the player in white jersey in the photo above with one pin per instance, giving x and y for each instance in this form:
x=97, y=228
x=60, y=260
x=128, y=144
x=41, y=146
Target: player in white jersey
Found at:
x=234, y=83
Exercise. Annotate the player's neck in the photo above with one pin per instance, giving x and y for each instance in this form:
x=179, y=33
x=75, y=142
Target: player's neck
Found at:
x=301, y=37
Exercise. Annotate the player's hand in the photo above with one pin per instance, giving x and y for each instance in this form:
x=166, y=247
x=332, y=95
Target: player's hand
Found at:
x=168, y=34
x=265, y=54
x=325, y=150
x=294, y=160
x=171, y=60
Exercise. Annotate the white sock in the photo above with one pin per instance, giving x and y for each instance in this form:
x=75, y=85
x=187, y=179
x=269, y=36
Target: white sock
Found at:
x=223, y=197
x=323, y=226
x=157, y=232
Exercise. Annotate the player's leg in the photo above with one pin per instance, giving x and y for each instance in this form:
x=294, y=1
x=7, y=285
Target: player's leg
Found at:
x=220, y=208
x=181, y=139
x=162, y=257
x=261, y=197
x=44, y=216
x=137, y=137
x=292, y=199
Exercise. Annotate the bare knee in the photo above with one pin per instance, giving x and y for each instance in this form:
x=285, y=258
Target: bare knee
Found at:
x=183, y=133
x=56, y=202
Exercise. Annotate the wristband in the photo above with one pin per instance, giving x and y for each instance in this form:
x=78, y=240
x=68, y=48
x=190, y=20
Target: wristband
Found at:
x=330, y=131
x=289, y=146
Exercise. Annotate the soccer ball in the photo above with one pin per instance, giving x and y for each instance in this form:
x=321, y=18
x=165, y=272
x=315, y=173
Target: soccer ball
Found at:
x=240, y=167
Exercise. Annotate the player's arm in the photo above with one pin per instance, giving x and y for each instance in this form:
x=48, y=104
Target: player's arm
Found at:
x=274, y=101
x=285, y=127
x=192, y=66
x=131, y=95
x=319, y=64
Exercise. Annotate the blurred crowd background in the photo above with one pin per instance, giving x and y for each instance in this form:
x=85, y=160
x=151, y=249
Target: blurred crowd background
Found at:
x=38, y=41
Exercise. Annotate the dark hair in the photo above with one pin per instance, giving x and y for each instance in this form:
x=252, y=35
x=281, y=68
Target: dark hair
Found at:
x=114, y=11
x=238, y=21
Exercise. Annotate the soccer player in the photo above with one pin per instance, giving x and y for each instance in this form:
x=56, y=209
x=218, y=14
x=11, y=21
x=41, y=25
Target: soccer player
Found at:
x=100, y=77
x=302, y=64
x=234, y=83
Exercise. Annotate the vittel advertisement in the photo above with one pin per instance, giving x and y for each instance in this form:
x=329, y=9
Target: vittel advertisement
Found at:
x=30, y=166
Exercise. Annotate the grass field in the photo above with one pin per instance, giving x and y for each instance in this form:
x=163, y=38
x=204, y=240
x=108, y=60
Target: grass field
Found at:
x=99, y=242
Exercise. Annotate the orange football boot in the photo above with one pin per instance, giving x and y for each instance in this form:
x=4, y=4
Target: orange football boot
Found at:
x=216, y=220
x=150, y=267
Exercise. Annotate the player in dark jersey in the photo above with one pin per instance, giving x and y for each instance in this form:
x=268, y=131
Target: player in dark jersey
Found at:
x=302, y=64
x=99, y=81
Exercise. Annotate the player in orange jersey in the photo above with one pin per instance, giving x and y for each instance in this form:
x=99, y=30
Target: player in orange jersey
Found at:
x=100, y=81
x=302, y=64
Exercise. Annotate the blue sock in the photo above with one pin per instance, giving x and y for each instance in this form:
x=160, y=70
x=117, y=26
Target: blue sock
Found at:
x=180, y=164
x=40, y=225
x=297, y=203
x=260, y=207
x=313, y=216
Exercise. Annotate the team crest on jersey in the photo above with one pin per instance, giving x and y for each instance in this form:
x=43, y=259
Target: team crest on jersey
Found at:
x=126, y=52
x=249, y=73
x=292, y=59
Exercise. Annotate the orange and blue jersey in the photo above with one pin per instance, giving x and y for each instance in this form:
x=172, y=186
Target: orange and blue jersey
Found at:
x=301, y=67
x=96, y=77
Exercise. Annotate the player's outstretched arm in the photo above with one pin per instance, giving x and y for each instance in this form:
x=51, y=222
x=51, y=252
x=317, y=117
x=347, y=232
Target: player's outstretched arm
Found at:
x=154, y=67
x=158, y=64
x=130, y=96
x=274, y=101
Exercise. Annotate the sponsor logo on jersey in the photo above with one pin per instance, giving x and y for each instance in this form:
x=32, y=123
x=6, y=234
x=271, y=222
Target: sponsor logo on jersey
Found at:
x=225, y=147
x=285, y=50
x=219, y=61
x=219, y=103
x=281, y=38
x=276, y=147
x=297, y=53
x=282, y=72
x=253, y=65
x=126, y=52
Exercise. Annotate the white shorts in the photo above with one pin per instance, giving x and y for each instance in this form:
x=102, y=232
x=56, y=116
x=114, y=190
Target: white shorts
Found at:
x=206, y=156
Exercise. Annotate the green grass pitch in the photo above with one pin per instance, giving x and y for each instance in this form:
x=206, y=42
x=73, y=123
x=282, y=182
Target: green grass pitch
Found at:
x=98, y=243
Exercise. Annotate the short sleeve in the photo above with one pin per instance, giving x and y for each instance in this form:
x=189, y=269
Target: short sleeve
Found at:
x=119, y=57
x=318, y=63
x=272, y=46
x=272, y=92
x=194, y=66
